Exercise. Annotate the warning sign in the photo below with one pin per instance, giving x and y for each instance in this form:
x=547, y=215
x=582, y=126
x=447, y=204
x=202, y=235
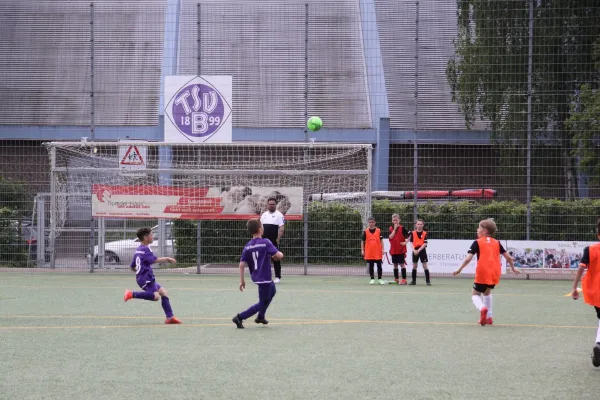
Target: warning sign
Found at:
x=132, y=157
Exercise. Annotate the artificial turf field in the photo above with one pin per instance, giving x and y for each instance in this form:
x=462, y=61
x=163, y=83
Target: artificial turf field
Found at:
x=71, y=336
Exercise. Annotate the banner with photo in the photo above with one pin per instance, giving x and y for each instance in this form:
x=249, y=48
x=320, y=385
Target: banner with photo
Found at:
x=198, y=109
x=209, y=203
x=445, y=256
x=546, y=254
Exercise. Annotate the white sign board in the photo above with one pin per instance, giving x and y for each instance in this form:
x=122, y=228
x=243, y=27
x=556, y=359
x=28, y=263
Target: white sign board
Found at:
x=198, y=109
x=133, y=157
x=445, y=256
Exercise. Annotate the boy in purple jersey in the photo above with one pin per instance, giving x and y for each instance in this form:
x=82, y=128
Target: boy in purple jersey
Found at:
x=144, y=275
x=257, y=255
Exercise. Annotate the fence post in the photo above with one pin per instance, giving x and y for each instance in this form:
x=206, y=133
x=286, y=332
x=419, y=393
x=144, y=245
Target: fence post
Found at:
x=416, y=122
x=306, y=139
x=92, y=242
x=198, y=39
x=92, y=128
x=92, y=100
x=41, y=230
x=198, y=72
x=101, y=242
x=198, y=246
x=53, y=206
x=529, y=117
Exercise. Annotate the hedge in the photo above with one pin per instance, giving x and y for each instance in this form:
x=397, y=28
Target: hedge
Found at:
x=13, y=250
x=334, y=229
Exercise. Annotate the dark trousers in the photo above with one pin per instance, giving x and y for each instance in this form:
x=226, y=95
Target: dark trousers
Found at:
x=266, y=292
x=276, y=264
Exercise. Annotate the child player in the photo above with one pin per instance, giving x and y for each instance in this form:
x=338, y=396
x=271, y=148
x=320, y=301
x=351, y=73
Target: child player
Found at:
x=398, y=237
x=257, y=254
x=371, y=248
x=143, y=259
x=591, y=285
x=487, y=273
x=418, y=238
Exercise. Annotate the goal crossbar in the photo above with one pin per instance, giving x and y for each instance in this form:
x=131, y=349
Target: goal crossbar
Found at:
x=215, y=172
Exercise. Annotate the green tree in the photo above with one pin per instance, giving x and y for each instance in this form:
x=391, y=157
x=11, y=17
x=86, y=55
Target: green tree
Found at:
x=584, y=125
x=14, y=196
x=488, y=74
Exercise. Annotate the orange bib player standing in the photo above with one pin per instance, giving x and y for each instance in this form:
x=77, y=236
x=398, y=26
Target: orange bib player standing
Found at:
x=371, y=248
x=487, y=273
x=590, y=261
x=418, y=239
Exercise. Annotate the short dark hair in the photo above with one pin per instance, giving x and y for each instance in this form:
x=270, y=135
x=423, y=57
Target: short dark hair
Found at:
x=272, y=199
x=142, y=233
x=489, y=225
x=254, y=226
x=371, y=219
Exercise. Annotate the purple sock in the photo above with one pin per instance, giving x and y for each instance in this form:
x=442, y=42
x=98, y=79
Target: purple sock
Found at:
x=166, y=305
x=143, y=295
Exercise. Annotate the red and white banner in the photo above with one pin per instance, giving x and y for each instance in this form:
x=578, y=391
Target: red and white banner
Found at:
x=236, y=202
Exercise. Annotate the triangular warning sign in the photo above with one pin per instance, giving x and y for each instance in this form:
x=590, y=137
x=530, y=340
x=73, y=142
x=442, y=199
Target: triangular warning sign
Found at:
x=132, y=157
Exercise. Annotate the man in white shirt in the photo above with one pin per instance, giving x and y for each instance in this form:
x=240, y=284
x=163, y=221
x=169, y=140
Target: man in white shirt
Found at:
x=273, y=224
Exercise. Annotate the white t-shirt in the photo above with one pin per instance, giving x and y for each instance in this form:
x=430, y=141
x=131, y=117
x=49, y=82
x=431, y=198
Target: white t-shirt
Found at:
x=271, y=222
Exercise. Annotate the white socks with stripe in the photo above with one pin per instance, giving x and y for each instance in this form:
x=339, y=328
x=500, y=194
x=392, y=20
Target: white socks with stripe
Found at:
x=477, y=302
x=598, y=333
x=487, y=301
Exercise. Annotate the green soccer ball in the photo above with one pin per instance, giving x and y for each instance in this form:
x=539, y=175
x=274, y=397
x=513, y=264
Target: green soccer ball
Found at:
x=314, y=124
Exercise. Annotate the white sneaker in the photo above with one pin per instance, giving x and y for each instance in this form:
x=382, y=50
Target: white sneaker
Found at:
x=276, y=280
x=382, y=282
x=372, y=282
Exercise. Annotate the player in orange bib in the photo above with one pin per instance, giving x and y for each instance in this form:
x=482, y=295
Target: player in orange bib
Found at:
x=487, y=274
x=371, y=248
x=418, y=239
x=591, y=285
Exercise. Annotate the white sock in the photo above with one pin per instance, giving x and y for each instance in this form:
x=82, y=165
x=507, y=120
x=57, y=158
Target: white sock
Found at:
x=477, y=301
x=487, y=301
x=598, y=333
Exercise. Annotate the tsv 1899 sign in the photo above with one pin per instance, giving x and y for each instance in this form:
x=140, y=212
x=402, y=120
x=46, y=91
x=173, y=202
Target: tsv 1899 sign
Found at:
x=198, y=109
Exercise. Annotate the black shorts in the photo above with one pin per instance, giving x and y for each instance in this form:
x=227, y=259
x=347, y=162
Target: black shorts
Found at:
x=482, y=287
x=398, y=259
x=597, y=311
x=422, y=256
x=373, y=262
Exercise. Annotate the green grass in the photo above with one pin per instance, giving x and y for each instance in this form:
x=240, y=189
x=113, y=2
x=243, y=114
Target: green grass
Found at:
x=72, y=337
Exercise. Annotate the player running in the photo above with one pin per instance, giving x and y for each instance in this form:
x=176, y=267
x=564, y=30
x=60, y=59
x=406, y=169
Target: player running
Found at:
x=591, y=286
x=257, y=255
x=144, y=275
x=487, y=274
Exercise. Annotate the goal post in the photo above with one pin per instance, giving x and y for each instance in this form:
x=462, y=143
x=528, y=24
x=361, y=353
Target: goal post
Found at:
x=222, y=183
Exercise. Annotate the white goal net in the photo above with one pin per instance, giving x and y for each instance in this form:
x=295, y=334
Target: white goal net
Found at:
x=210, y=182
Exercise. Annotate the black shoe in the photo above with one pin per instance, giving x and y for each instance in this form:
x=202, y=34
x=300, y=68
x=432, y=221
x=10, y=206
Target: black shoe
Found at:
x=412, y=283
x=238, y=322
x=261, y=321
x=596, y=355
x=428, y=283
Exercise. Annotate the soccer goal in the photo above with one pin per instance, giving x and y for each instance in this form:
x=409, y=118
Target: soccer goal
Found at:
x=208, y=191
